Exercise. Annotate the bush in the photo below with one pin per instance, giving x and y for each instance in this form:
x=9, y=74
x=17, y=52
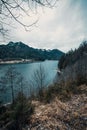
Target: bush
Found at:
x=18, y=113
x=56, y=90
x=81, y=79
x=22, y=109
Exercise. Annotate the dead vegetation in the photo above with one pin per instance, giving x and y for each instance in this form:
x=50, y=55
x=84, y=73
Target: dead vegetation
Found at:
x=57, y=115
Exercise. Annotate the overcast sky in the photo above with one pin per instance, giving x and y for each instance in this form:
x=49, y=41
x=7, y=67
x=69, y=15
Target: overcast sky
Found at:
x=63, y=27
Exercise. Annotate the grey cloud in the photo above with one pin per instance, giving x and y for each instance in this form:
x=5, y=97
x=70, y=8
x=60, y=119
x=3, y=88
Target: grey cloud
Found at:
x=63, y=27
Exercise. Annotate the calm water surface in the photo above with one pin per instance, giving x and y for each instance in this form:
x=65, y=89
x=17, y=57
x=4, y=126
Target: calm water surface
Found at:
x=27, y=71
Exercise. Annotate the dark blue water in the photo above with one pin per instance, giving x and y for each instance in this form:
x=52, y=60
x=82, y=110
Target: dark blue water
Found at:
x=27, y=71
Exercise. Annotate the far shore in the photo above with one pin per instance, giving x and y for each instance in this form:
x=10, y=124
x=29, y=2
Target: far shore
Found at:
x=16, y=61
x=20, y=61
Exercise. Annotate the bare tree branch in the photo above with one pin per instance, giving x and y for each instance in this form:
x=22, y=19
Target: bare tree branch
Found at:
x=17, y=8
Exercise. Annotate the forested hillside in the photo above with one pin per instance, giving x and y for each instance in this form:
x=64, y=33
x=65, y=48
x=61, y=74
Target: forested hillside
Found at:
x=73, y=65
x=19, y=50
x=73, y=56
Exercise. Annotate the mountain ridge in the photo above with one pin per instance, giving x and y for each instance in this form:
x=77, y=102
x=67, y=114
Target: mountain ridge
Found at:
x=19, y=50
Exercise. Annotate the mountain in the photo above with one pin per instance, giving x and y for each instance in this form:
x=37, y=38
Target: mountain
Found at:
x=19, y=50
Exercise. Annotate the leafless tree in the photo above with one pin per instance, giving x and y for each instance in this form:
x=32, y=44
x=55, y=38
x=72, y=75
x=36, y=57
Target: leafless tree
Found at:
x=15, y=9
x=39, y=80
x=11, y=77
x=75, y=73
x=12, y=82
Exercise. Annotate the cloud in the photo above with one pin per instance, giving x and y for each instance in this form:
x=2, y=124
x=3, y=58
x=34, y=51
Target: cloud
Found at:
x=63, y=27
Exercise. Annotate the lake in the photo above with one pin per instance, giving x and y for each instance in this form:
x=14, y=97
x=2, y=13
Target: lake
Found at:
x=27, y=70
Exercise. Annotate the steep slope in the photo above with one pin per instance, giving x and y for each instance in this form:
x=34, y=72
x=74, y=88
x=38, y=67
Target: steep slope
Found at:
x=73, y=56
x=57, y=115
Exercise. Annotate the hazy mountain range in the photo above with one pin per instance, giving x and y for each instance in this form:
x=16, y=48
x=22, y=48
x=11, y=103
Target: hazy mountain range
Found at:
x=19, y=50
